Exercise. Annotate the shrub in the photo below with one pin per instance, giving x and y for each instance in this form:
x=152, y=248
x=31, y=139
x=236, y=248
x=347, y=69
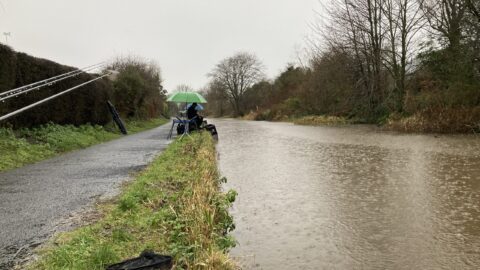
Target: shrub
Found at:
x=438, y=120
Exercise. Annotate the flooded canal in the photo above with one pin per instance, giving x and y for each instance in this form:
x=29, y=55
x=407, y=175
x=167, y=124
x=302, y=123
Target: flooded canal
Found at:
x=351, y=197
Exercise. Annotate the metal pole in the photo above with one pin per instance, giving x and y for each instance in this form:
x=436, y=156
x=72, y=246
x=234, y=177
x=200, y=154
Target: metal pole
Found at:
x=21, y=92
x=49, y=98
x=47, y=81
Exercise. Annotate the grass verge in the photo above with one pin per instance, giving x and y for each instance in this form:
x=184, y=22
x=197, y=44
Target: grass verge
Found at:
x=21, y=147
x=311, y=120
x=430, y=120
x=321, y=120
x=437, y=120
x=174, y=207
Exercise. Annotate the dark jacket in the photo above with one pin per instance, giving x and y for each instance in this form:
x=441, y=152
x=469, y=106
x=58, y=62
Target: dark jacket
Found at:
x=192, y=112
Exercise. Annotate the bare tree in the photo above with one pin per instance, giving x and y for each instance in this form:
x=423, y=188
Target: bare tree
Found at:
x=473, y=31
x=217, y=99
x=380, y=35
x=447, y=17
x=236, y=74
x=356, y=27
x=183, y=88
x=403, y=21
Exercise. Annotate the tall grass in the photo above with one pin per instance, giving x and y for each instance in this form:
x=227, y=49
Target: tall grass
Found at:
x=438, y=120
x=174, y=207
x=321, y=120
x=66, y=138
x=16, y=152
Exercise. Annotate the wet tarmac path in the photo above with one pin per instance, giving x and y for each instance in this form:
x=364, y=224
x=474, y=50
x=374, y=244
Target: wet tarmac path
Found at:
x=36, y=200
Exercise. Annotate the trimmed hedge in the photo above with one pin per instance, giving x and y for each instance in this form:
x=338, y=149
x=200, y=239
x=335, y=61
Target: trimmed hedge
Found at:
x=84, y=105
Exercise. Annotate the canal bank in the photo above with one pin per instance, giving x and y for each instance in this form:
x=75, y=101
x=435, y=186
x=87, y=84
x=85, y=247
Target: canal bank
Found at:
x=41, y=199
x=351, y=197
x=173, y=207
x=431, y=121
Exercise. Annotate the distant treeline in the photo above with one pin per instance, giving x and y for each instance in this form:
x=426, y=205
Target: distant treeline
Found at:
x=412, y=65
x=137, y=92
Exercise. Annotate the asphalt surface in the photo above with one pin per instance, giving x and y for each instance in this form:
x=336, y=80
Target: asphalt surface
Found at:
x=35, y=200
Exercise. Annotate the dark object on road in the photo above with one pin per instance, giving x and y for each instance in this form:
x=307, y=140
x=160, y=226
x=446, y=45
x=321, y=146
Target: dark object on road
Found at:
x=147, y=261
x=180, y=129
x=213, y=130
x=116, y=118
x=193, y=127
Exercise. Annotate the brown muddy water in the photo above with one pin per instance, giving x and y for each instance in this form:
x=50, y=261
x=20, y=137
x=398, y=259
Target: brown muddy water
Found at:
x=351, y=197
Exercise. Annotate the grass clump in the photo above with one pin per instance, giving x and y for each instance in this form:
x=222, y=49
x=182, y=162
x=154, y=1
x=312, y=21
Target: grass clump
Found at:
x=437, y=120
x=321, y=120
x=24, y=146
x=18, y=151
x=66, y=138
x=174, y=207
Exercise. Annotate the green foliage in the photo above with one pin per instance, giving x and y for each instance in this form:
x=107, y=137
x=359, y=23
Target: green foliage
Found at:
x=288, y=84
x=18, y=151
x=137, y=93
x=448, y=66
x=7, y=65
x=68, y=137
x=86, y=105
x=332, y=90
x=26, y=146
x=100, y=255
x=379, y=78
x=167, y=209
x=444, y=94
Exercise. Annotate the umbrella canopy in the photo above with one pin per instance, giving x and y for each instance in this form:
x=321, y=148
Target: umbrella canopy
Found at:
x=187, y=97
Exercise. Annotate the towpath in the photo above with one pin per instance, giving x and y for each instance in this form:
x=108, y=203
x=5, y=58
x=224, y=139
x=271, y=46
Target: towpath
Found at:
x=38, y=200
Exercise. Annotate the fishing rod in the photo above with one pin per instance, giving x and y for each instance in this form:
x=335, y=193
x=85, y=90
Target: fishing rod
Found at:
x=47, y=82
x=51, y=78
x=109, y=73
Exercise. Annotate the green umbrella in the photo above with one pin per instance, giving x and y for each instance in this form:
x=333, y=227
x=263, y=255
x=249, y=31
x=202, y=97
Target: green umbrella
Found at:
x=187, y=97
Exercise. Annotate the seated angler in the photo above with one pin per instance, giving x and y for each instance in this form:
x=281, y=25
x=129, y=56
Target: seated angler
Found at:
x=192, y=112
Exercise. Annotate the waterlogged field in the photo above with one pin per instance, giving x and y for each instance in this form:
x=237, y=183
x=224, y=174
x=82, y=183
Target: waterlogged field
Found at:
x=26, y=146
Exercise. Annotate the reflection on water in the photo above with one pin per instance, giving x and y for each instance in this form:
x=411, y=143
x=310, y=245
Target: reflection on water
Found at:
x=351, y=197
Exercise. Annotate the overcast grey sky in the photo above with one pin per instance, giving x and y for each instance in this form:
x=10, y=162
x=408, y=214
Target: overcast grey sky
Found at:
x=185, y=37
